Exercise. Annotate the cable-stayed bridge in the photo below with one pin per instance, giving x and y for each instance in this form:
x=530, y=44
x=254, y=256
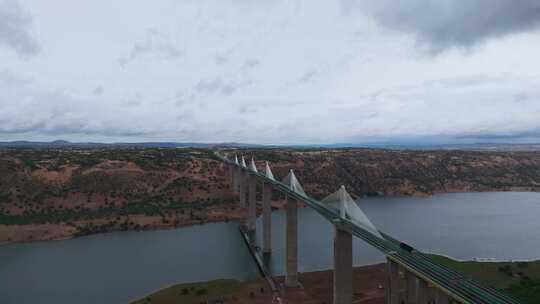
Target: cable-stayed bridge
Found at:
x=413, y=277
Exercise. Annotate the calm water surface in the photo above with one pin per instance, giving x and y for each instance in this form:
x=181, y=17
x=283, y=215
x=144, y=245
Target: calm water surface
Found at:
x=118, y=267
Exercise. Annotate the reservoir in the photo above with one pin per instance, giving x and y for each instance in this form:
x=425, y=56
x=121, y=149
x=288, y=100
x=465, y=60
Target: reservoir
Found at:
x=121, y=266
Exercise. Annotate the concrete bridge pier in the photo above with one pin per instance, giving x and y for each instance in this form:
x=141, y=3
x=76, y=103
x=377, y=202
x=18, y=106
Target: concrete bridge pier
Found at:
x=396, y=292
x=412, y=287
x=433, y=293
x=232, y=177
x=267, y=218
x=423, y=292
x=291, y=243
x=252, y=205
x=442, y=298
x=342, y=267
x=238, y=172
x=242, y=188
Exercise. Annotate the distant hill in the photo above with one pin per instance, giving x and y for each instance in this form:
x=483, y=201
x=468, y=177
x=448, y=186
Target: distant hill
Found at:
x=419, y=147
x=67, y=144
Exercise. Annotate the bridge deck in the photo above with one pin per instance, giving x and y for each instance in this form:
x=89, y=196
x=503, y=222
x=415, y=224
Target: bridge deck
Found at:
x=454, y=283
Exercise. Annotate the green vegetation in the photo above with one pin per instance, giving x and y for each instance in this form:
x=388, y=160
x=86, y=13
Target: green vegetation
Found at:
x=151, y=208
x=520, y=280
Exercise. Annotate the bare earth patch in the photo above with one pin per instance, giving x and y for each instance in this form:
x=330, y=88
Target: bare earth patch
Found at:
x=35, y=232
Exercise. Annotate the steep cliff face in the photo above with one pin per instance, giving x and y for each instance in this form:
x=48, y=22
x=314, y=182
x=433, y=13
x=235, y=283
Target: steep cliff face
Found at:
x=386, y=172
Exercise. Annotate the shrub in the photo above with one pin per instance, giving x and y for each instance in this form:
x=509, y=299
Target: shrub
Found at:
x=507, y=269
x=201, y=291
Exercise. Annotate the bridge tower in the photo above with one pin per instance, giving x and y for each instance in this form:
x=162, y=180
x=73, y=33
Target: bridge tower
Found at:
x=343, y=252
x=343, y=268
x=235, y=171
x=252, y=196
x=291, y=231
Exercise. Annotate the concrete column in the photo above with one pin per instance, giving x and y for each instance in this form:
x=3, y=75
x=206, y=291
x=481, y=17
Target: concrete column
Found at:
x=267, y=217
x=242, y=188
x=432, y=294
x=291, y=246
x=234, y=179
x=342, y=267
x=252, y=203
x=396, y=284
x=393, y=282
x=442, y=298
x=411, y=281
x=238, y=174
x=230, y=170
x=422, y=291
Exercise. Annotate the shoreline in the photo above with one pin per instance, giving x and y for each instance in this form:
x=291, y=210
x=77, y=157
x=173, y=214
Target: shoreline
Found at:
x=369, y=284
x=235, y=215
x=149, y=229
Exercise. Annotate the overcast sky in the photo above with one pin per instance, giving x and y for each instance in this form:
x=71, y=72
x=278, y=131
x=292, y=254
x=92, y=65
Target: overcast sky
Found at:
x=270, y=71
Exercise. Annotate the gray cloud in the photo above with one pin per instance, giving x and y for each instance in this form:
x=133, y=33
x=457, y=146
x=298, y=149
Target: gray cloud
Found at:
x=15, y=28
x=155, y=45
x=214, y=86
x=98, y=91
x=308, y=76
x=27, y=109
x=218, y=85
x=441, y=24
x=251, y=63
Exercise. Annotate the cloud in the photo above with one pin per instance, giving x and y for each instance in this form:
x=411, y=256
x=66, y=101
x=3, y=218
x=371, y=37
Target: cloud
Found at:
x=26, y=108
x=273, y=72
x=218, y=86
x=251, y=63
x=307, y=76
x=98, y=91
x=15, y=29
x=156, y=45
x=443, y=24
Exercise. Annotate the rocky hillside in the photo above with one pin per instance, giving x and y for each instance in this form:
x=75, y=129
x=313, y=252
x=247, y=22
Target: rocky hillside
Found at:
x=58, y=193
x=96, y=190
x=368, y=172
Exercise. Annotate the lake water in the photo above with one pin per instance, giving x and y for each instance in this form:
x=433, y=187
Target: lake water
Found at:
x=121, y=266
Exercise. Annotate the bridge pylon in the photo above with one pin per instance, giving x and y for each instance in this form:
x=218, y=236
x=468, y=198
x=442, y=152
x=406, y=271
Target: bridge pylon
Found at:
x=268, y=172
x=291, y=243
x=252, y=165
x=267, y=217
x=252, y=204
